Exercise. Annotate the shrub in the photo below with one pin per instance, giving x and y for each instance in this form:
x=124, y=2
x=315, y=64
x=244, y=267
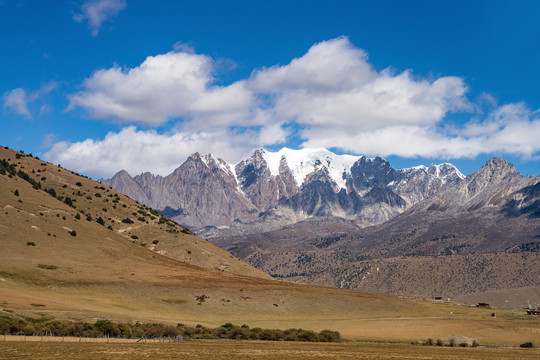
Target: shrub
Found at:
x=73, y=233
x=16, y=192
x=68, y=201
x=30, y=243
x=527, y=344
x=170, y=331
x=100, y=221
x=78, y=216
x=107, y=327
x=51, y=192
x=307, y=335
x=127, y=221
x=155, y=242
x=329, y=336
x=89, y=217
x=78, y=183
x=134, y=237
x=186, y=231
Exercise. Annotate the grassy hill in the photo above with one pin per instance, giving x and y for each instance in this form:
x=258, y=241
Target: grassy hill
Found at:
x=53, y=264
x=70, y=201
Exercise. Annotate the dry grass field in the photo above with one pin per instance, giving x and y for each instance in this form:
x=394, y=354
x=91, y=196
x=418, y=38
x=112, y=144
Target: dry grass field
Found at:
x=103, y=274
x=250, y=350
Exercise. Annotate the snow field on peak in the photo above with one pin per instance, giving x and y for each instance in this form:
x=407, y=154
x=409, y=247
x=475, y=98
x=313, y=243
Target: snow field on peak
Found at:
x=304, y=161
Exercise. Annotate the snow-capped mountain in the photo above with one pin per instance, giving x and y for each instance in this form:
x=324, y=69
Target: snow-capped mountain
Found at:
x=271, y=189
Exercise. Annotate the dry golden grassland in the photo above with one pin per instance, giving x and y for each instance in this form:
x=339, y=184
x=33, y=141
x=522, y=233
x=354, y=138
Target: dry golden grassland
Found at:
x=103, y=274
x=250, y=350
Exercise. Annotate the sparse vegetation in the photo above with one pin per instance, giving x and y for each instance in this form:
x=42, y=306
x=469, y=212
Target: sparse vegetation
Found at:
x=127, y=221
x=30, y=243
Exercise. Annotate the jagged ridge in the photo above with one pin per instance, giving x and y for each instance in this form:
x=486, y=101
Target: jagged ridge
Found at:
x=257, y=192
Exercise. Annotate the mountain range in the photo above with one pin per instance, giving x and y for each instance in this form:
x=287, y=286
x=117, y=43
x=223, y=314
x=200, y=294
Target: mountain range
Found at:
x=272, y=189
x=479, y=239
x=356, y=222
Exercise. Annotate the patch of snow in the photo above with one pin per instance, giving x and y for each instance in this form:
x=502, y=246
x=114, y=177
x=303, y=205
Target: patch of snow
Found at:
x=304, y=161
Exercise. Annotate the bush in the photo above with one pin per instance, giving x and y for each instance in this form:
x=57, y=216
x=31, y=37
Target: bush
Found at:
x=100, y=221
x=51, y=192
x=527, y=344
x=329, y=336
x=155, y=242
x=78, y=183
x=30, y=243
x=16, y=192
x=127, y=221
x=73, y=233
x=68, y=201
x=78, y=216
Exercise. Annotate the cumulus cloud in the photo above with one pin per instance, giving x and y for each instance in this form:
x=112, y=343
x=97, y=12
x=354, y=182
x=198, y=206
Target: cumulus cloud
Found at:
x=17, y=101
x=330, y=97
x=333, y=85
x=96, y=12
x=176, y=84
x=138, y=151
x=509, y=129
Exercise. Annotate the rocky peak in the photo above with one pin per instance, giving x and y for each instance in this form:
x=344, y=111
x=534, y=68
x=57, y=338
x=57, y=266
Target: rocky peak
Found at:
x=367, y=173
x=495, y=171
x=499, y=167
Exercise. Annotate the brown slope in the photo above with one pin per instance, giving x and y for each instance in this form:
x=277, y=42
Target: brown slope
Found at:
x=93, y=201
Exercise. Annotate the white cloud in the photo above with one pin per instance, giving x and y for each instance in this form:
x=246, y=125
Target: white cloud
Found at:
x=509, y=129
x=138, y=151
x=330, y=97
x=176, y=84
x=96, y=12
x=17, y=101
x=333, y=85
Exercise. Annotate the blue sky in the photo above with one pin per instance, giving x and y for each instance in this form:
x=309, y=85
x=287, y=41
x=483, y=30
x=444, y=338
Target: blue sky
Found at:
x=104, y=85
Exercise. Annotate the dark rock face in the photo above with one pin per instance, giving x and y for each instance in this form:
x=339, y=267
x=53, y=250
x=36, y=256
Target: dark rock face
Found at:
x=205, y=191
x=369, y=173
